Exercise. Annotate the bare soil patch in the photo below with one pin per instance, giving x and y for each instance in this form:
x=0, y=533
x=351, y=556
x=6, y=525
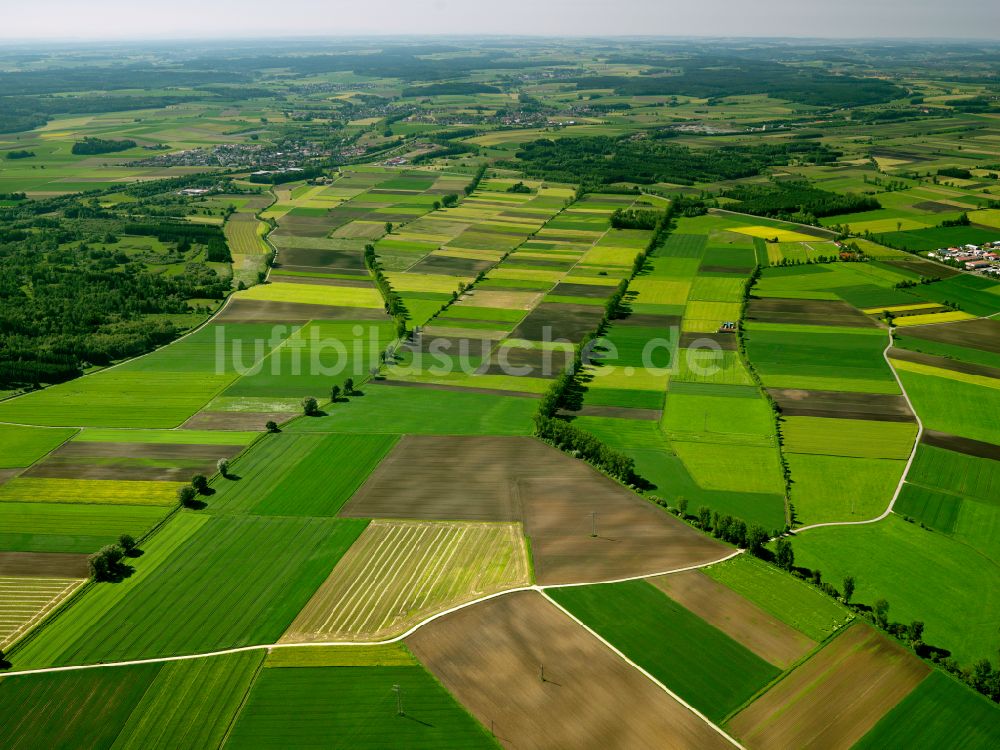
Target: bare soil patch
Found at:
x=921, y=266
x=361, y=282
x=315, y=259
x=726, y=341
x=960, y=444
x=809, y=312
x=451, y=266
x=457, y=388
x=491, y=657
x=128, y=461
x=555, y=320
x=945, y=363
x=835, y=698
x=618, y=412
x=267, y=311
x=743, y=621
x=516, y=478
x=234, y=420
x=507, y=300
x=934, y=207
x=795, y=402
x=591, y=291
x=43, y=565
x=976, y=334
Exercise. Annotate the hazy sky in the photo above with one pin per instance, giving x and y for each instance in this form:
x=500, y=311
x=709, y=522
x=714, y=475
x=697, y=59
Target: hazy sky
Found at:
x=118, y=19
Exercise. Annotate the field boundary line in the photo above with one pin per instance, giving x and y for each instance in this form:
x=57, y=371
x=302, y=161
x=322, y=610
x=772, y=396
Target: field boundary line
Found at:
x=719, y=730
x=909, y=461
x=396, y=639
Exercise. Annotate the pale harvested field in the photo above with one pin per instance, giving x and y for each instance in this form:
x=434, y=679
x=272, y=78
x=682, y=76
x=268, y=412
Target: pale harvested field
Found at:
x=502, y=300
x=401, y=572
x=740, y=619
x=25, y=601
x=489, y=657
x=834, y=699
x=517, y=478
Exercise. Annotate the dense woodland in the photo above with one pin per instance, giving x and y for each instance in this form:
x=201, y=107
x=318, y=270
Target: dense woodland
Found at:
x=797, y=200
x=69, y=299
x=604, y=160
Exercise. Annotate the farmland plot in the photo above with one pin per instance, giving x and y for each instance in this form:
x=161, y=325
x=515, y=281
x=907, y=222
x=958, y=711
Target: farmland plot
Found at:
x=24, y=602
x=399, y=573
x=819, y=705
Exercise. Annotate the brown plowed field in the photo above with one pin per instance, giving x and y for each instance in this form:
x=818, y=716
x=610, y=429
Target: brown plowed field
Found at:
x=555, y=320
x=834, y=699
x=234, y=420
x=515, y=478
x=743, y=621
x=795, y=402
x=945, y=363
x=126, y=461
x=975, y=334
x=806, y=311
x=267, y=311
x=490, y=656
x=960, y=444
x=43, y=565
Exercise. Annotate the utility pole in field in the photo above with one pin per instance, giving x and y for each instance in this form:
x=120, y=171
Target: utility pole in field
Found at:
x=399, y=699
x=593, y=524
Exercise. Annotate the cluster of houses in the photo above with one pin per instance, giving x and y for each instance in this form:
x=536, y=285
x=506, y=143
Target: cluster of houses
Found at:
x=981, y=258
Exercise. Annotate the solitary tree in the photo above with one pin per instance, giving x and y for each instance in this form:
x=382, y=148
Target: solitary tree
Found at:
x=223, y=466
x=186, y=496
x=388, y=227
x=881, y=610
x=682, y=506
x=704, y=518
x=200, y=483
x=848, y=589
x=756, y=539
x=916, y=631
x=106, y=564
x=127, y=542
x=309, y=406
x=784, y=555
x=334, y=393
x=271, y=426
x=349, y=387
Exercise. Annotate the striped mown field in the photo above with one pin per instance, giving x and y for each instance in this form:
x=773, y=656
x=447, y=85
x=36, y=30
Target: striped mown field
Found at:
x=25, y=601
x=398, y=573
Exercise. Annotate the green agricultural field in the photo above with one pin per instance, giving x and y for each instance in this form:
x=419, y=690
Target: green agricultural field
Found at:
x=71, y=709
x=170, y=437
x=299, y=474
x=792, y=601
x=703, y=665
x=315, y=357
x=190, y=703
x=425, y=411
x=857, y=438
x=810, y=357
x=81, y=528
x=656, y=463
x=953, y=406
x=862, y=490
x=353, y=707
x=272, y=567
x=116, y=398
x=711, y=464
x=98, y=491
x=380, y=655
x=22, y=446
x=941, y=712
x=924, y=576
